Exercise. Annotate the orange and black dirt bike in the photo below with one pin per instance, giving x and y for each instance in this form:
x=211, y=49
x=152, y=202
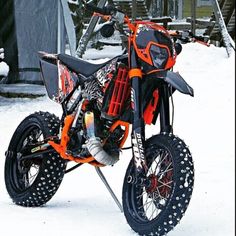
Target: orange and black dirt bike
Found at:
x=100, y=102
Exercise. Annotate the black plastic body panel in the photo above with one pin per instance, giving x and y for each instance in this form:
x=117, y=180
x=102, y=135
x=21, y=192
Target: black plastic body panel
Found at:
x=49, y=73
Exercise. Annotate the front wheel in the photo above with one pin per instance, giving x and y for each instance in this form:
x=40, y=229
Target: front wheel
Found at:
x=157, y=208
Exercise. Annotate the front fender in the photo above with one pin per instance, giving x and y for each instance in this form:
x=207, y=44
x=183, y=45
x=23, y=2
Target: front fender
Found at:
x=176, y=81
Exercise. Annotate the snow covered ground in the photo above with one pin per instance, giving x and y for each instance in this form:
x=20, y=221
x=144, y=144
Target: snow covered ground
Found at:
x=82, y=205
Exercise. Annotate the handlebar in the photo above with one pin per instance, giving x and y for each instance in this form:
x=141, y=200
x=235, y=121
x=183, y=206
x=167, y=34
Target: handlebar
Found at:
x=119, y=17
x=188, y=36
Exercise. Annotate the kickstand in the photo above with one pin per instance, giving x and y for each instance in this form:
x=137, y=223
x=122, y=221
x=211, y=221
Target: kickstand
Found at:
x=102, y=177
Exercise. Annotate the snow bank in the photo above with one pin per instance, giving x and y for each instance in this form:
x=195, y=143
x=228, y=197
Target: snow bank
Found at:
x=82, y=205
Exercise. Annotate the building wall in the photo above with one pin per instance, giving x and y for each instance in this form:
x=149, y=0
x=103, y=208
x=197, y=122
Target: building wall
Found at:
x=8, y=39
x=182, y=8
x=201, y=3
x=204, y=8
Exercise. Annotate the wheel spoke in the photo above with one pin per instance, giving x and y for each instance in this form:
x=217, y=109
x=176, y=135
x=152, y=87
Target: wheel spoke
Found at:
x=153, y=211
x=163, y=172
x=39, y=135
x=164, y=184
x=153, y=207
x=32, y=177
x=30, y=170
x=160, y=196
x=146, y=204
x=163, y=158
x=157, y=165
x=141, y=195
x=26, y=181
x=166, y=170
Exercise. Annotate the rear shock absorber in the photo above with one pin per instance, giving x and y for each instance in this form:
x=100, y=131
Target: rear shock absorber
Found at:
x=79, y=113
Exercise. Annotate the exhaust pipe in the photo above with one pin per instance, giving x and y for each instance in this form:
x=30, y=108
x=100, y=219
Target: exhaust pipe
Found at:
x=94, y=144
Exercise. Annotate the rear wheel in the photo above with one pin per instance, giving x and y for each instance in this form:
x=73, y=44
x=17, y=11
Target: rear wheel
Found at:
x=33, y=182
x=156, y=209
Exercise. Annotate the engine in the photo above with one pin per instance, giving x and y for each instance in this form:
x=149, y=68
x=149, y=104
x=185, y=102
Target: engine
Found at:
x=103, y=104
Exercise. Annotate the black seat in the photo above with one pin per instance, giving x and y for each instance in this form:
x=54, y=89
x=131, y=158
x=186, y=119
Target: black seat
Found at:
x=80, y=66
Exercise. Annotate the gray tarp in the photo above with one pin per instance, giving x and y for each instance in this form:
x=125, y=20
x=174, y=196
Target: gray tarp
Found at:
x=36, y=30
x=33, y=27
x=8, y=38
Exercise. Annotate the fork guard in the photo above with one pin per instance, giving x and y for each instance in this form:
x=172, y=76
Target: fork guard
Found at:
x=176, y=81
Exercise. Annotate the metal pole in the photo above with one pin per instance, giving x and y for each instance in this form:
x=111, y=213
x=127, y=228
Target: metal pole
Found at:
x=180, y=9
x=134, y=10
x=102, y=177
x=229, y=43
x=69, y=26
x=193, y=16
x=59, y=27
x=154, y=8
x=160, y=7
x=174, y=9
x=165, y=11
x=89, y=31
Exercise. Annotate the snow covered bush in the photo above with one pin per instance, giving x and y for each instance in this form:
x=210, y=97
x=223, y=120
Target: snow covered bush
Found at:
x=4, y=68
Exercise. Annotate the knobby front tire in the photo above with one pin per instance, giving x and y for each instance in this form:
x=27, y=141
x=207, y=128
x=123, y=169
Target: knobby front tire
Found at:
x=33, y=182
x=158, y=208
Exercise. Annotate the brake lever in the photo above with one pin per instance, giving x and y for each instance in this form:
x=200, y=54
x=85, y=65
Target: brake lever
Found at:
x=188, y=36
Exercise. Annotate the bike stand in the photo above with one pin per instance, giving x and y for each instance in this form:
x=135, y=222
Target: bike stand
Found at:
x=102, y=177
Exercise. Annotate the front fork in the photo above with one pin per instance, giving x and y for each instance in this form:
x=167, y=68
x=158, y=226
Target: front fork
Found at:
x=138, y=128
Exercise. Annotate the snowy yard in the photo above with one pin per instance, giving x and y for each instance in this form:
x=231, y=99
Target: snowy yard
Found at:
x=82, y=206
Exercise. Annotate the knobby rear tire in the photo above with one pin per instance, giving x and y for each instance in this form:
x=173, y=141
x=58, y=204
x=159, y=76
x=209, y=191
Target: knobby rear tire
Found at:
x=169, y=201
x=33, y=182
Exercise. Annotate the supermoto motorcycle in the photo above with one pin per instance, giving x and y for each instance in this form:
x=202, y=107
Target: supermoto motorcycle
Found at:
x=100, y=102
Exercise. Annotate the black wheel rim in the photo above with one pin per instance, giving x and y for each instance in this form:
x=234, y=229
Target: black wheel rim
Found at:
x=147, y=203
x=24, y=172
